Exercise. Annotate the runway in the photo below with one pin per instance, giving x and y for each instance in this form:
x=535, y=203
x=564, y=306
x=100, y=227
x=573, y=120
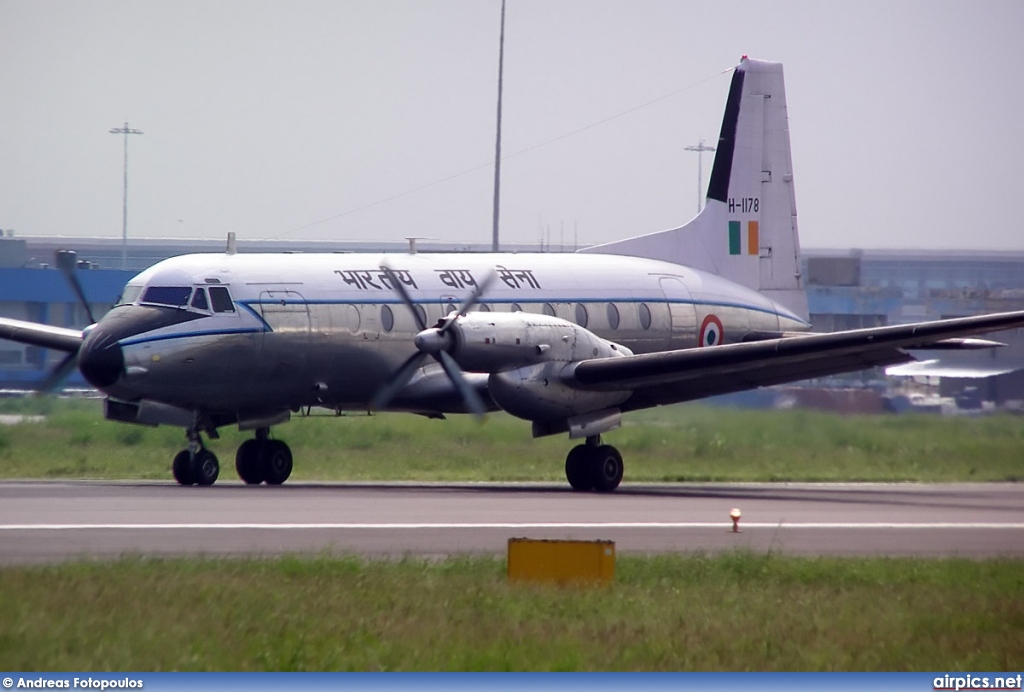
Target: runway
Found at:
x=54, y=521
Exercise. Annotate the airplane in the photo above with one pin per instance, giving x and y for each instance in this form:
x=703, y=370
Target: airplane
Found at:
x=568, y=342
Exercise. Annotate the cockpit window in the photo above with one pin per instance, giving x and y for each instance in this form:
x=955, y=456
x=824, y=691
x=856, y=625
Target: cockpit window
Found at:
x=199, y=299
x=221, y=299
x=129, y=295
x=175, y=296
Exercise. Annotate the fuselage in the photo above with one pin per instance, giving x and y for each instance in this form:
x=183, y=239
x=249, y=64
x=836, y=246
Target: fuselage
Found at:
x=237, y=332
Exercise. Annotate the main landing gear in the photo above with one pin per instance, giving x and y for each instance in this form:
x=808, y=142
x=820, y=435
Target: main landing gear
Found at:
x=594, y=466
x=257, y=461
x=263, y=459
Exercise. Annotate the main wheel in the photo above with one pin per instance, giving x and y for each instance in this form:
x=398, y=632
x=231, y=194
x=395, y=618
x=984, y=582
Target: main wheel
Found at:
x=606, y=468
x=577, y=469
x=276, y=462
x=247, y=462
x=182, y=468
x=205, y=467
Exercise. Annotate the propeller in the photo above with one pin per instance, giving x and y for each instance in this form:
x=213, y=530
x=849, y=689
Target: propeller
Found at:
x=66, y=261
x=433, y=342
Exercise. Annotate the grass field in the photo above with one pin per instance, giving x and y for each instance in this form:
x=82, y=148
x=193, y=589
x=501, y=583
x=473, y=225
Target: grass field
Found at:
x=679, y=443
x=729, y=612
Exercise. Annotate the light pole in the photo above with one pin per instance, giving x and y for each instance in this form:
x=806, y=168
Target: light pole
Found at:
x=497, y=142
x=700, y=149
x=124, y=215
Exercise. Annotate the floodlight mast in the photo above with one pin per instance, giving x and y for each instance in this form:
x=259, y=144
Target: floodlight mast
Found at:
x=495, y=245
x=700, y=149
x=124, y=211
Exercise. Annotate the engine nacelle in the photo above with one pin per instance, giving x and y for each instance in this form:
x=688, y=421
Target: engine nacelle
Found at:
x=501, y=341
x=525, y=354
x=537, y=393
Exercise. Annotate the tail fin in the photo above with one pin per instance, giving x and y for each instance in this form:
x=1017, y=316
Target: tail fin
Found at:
x=747, y=232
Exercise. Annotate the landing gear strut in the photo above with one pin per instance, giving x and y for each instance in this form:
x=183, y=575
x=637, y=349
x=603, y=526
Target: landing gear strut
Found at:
x=262, y=459
x=195, y=465
x=594, y=466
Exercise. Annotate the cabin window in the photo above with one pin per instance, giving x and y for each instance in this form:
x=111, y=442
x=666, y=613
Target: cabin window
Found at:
x=174, y=296
x=221, y=299
x=549, y=309
x=581, y=315
x=613, y=316
x=199, y=300
x=387, y=318
x=449, y=309
x=515, y=308
x=421, y=313
x=483, y=307
x=645, y=316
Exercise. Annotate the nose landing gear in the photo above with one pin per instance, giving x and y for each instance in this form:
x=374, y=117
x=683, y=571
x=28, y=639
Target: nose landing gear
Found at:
x=195, y=465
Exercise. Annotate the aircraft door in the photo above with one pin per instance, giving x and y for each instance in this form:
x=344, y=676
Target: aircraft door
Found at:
x=682, y=316
x=285, y=348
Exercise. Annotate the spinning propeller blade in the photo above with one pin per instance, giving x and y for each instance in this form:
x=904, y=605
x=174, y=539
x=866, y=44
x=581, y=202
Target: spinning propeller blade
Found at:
x=432, y=341
x=66, y=261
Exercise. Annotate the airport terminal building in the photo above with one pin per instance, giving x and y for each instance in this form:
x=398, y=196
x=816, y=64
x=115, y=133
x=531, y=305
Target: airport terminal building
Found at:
x=846, y=290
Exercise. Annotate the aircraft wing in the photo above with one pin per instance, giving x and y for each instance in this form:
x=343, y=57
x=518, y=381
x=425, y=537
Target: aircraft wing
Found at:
x=45, y=335
x=687, y=374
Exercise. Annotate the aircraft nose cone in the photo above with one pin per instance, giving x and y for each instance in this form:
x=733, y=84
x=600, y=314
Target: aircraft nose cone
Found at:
x=101, y=359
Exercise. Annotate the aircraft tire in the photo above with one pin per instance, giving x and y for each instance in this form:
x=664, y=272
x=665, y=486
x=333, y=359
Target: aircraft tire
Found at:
x=247, y=462
x=577, y=469
x=182, y=468
x=205, y=467
x=276, y=462
x=607, y=468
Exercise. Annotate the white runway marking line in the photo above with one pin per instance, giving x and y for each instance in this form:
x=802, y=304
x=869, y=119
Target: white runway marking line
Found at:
x=519, y=525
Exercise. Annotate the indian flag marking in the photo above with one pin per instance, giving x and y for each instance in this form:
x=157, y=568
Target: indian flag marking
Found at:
x=736, y=238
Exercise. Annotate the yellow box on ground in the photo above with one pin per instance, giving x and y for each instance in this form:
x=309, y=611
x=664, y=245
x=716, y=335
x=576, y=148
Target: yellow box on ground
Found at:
x=561, y=562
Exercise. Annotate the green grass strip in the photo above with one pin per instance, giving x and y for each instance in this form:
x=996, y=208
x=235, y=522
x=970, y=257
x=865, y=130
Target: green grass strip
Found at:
x=676, y=443
x=738, y=611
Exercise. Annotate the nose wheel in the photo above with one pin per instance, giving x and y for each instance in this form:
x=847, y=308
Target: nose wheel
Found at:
x=199, y=468
x=594, y=466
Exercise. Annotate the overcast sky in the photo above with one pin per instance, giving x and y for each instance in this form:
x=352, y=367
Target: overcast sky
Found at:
x=375, y=119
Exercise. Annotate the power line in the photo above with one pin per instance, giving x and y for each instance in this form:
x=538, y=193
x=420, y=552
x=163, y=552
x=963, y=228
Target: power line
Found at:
x=503, y=158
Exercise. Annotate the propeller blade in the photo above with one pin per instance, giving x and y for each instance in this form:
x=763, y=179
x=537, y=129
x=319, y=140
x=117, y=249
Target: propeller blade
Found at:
x=55, y=378
x=66, y=261
x=475, y=296
x=433, y=342
x=469, y=395
x=406, y=298
x=401, y=378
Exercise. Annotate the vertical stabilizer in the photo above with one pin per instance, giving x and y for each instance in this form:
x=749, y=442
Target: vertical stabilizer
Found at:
x=747, y=232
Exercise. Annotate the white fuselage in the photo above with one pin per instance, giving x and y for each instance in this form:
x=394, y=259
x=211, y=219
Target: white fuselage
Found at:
x=327, y=329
